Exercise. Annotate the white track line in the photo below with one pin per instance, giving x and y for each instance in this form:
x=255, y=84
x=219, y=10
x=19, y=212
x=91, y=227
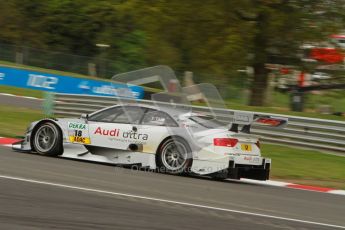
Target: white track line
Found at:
x=338, y=192
x=168, y=201
x=266, y=183
x=7, y=94
x=27, y=97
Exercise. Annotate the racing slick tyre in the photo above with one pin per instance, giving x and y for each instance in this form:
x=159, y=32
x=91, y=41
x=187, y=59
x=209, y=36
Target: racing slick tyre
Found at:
x=174, y=156
x=47, y=139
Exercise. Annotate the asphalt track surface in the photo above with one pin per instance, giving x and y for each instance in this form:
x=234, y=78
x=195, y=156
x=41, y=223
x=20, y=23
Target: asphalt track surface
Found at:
x=39, y=192
x=30, y=103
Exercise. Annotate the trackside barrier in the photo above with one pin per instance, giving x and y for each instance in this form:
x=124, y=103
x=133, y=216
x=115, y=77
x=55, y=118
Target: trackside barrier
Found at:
x=317, y=134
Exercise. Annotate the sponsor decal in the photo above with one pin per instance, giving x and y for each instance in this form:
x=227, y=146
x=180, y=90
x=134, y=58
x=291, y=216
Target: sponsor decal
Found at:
x=248, y=158
x=77, y=139
x=41, y=81
x=256, y=159
x=65, y=84
x=184, y=125
x=135, y=135
x=110, y=90
x=84, y=85
x=252, y=159
x=117, y=133
x=107, y=132
x=79, y=126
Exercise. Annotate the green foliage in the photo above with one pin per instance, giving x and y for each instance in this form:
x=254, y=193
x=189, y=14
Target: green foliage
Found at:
x=130, y=48
x=212, y=38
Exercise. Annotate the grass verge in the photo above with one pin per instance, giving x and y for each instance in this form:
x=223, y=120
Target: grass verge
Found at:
x=306, y=166
x=15, y=120
x=21, y=92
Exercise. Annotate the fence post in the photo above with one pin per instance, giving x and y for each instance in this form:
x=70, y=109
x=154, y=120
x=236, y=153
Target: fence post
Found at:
x=19, y=58
x=92, y=69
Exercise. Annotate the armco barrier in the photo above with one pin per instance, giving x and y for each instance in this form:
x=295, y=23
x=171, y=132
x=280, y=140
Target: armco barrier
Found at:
x=318, y=134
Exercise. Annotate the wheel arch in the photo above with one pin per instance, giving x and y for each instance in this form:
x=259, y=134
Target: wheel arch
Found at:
x=54, y=121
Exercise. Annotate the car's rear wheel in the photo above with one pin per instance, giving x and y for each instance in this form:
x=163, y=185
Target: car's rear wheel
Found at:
x=174, y=156
x=47, y=139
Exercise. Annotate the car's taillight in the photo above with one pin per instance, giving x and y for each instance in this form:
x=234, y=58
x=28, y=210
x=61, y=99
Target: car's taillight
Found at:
x=269, y=121
x=226, y=142
x=258, y=144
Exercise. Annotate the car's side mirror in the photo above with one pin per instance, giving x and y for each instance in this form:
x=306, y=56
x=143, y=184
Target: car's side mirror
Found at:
x=85, y=116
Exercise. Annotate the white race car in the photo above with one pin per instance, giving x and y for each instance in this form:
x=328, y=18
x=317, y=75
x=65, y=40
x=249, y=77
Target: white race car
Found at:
x=160, y=138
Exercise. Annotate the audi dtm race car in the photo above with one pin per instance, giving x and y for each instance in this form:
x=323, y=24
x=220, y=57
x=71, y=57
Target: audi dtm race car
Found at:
x=161, y=138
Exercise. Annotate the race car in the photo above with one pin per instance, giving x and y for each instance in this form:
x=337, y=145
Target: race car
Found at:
x=160, y=138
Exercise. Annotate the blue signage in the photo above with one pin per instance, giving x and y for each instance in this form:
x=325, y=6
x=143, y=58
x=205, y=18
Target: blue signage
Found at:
x=65, y=84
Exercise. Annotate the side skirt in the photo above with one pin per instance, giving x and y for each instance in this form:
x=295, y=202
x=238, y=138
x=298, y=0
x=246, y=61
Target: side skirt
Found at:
x=107, y=155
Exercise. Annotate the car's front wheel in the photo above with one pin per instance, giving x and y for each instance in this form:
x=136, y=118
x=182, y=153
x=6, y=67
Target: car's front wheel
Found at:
x=174, y=156
x=47, y=139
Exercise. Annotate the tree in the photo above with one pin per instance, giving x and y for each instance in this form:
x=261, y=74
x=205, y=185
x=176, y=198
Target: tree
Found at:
x=280, y=28
x=15, y=27
x=118, y=27
x=212, y=38
x=206, y=38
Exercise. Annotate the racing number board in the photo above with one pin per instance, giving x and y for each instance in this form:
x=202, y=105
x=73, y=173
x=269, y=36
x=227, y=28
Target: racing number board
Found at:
x=246, y=147
x=78, y=133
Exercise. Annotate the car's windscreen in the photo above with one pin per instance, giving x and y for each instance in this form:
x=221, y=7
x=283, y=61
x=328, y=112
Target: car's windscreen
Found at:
x=207, y=121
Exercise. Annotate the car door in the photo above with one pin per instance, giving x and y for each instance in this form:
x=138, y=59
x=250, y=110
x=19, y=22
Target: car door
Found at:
x=154, y=127
x=113, y=128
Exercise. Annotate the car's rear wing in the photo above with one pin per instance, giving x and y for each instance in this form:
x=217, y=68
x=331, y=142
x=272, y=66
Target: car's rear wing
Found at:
x=246, y=119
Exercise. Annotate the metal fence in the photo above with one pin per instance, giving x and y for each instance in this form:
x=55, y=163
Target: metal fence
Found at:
x=85, y=65
x=317, y=134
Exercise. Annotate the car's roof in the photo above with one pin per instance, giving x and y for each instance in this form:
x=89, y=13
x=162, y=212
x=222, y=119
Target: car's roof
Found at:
x=172, y=111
